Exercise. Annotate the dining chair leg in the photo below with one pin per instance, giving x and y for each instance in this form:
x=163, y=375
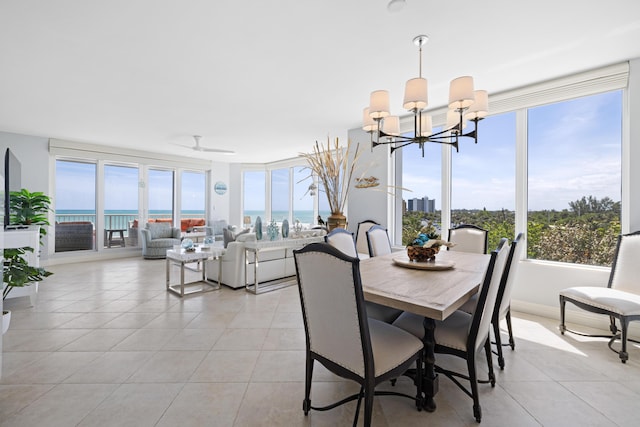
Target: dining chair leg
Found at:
x=368, y=403
x=624, y=356
x=487, y=350
x=496, y=333
x=512, y=343
x=306, y=405
x=473, y=379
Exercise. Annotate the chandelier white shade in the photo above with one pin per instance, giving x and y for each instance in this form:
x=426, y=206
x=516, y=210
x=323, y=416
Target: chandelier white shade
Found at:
x=465, y=103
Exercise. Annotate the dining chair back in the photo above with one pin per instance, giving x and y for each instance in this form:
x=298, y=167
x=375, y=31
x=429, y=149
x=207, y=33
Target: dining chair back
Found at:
x=378, y=241
x=619, y=300
x=469, y=238
x=342, y=240
x=340, y=336
x=362, y=246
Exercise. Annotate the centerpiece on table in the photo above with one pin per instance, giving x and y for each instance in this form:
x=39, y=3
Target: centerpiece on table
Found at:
x=426, y=245
x=335, y=174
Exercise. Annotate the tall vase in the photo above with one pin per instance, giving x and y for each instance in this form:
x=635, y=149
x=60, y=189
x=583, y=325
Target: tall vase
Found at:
x=336, y=220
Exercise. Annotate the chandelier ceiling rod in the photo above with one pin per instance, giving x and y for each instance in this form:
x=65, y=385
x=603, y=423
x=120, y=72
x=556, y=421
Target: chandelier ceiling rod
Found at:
x=464, y=104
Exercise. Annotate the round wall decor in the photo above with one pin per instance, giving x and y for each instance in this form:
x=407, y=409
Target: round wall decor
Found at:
x=220, y=187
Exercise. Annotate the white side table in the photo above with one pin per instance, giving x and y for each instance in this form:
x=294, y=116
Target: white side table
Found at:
x=183, y=257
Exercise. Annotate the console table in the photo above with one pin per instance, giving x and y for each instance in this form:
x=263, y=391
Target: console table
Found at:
x=258, y=246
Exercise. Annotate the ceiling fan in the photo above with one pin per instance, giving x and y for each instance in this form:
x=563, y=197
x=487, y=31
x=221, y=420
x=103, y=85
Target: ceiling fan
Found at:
x=198, y=147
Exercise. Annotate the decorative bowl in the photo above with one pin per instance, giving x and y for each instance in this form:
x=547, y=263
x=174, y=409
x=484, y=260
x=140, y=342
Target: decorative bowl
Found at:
x=422, y=254
x=187, y=243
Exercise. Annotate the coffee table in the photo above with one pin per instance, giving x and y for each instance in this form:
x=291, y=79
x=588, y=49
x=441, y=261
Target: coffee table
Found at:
x=183, y=257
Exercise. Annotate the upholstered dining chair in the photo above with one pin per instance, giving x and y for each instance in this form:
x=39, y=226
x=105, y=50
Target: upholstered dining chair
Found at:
x=361, y=237
x=342, y=240
x=341, y=337
x=503, y=301
x=469, y=238
x=619, y=300
x=378, y=241
x=463, y=334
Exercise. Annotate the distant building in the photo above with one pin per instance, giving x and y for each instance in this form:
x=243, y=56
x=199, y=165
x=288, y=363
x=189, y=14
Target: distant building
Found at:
x=421, y=205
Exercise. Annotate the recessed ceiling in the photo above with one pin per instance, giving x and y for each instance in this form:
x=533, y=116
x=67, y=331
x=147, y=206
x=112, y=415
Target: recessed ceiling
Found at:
x=268, y=78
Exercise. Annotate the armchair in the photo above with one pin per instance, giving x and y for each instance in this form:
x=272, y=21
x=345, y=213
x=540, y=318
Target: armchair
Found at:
x=157, y=238
x=619, y=300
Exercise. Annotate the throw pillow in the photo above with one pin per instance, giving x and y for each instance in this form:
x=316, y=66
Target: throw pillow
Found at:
x=228, y=236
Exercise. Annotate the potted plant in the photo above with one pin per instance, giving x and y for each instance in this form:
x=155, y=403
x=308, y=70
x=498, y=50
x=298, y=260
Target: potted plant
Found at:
x=16, y=273
x=29, y=208
x=330, y=164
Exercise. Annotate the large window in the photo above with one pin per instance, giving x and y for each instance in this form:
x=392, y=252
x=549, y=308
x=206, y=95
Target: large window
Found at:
x=75, y=205
x=302, y=197
x=120, y=206
x=574, y=153
x=161, y=195
x=483, y=179
x=422, y=184
x=193, y=201
x=280, y=194
x=254, y=195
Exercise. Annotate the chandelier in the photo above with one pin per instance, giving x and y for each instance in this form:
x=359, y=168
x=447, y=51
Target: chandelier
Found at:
x=465, y=104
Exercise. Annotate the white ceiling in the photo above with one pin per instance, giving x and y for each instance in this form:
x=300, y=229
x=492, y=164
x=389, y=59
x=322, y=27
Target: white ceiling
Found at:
x=268, y=78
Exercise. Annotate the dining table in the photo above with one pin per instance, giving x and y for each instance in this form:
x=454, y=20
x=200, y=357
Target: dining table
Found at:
x=433, y=289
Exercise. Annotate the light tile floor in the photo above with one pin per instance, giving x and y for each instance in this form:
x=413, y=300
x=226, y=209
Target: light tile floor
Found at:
x=106, y=345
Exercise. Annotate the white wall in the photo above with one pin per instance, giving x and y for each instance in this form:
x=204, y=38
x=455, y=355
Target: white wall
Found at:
x=369, y=203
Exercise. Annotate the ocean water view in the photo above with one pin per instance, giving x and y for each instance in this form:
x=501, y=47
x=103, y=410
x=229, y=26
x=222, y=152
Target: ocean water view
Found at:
x=305, y=217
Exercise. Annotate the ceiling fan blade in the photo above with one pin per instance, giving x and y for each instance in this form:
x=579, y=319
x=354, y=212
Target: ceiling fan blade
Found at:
x=217, y=150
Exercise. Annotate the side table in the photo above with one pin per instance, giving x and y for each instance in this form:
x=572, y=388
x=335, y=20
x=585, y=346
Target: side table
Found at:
x=183, y=257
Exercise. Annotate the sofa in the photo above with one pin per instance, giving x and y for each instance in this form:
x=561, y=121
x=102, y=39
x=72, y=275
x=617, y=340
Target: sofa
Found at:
x=74, y=236
x=157, y=238
x=274, y=264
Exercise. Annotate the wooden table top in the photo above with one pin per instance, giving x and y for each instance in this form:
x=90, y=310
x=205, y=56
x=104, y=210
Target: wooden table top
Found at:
x=430, y=293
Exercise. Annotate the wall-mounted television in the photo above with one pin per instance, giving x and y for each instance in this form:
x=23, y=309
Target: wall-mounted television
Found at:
x=12, y=180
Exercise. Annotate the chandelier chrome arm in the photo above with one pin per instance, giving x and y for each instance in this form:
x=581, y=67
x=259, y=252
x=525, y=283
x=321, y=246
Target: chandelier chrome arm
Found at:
x=449, y=136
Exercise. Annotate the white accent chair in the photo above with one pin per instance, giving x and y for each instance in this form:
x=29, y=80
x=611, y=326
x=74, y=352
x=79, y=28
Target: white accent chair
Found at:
x=341, y=337
x=469, y=238
x=503, y=302
x=362, y=246
x=463, y=334
x=378, y=241
x=619, y=300
x=342, y=240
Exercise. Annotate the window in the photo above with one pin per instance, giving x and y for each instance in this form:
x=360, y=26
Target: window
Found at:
x=280, y=194
x=75, y=205
x=574, y=182
x=161, y=195
x=421, y=176
x=254, y=195
x=120, y=206
x=193, y=202
x=483, y=178
x=302, y=197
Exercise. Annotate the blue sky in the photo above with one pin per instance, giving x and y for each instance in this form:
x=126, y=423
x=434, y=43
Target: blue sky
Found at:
x=574, y=151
